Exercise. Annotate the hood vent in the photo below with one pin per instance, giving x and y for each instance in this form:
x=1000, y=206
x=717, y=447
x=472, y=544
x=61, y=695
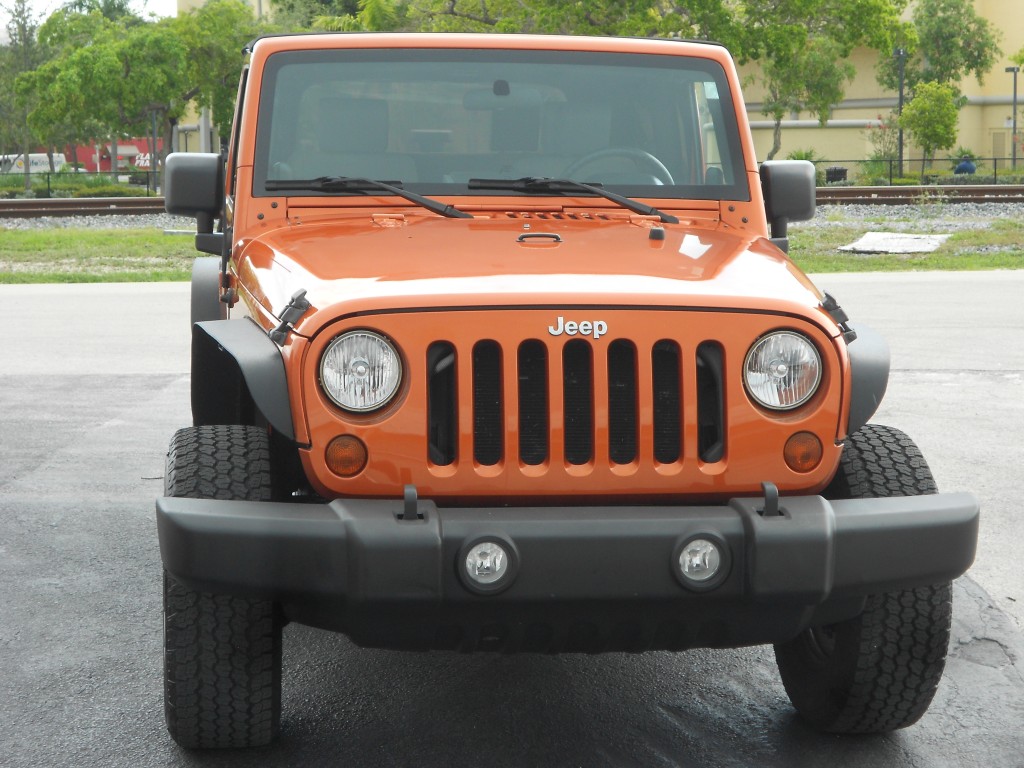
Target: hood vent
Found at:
x=557, y=216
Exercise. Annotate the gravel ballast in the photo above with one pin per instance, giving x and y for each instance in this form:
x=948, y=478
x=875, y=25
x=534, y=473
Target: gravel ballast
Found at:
x=162, y=221
x=944, y=218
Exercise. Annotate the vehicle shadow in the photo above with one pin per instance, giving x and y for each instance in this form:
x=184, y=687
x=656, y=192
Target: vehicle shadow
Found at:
x=344, y=705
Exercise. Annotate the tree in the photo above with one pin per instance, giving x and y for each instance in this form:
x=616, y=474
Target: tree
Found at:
x=367, y=16
x=946, y=42
x=930, y=117
x=302, y=14
x=126, y=73
x=801, y=43
x=804, y=46
x=214, y=36
x=21, y=55
x=599, y=17
x=108, y=9
x=812, y=78
x=118, y=80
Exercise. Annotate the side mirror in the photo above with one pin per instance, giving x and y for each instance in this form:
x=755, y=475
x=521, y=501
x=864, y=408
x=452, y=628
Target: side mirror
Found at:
x=194, y=186
x=789, y=195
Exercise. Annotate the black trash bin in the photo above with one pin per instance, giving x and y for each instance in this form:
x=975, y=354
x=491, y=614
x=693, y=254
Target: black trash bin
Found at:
x=835, y=174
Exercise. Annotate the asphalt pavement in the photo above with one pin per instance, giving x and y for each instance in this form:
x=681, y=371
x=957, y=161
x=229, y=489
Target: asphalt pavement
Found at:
x=93, y=382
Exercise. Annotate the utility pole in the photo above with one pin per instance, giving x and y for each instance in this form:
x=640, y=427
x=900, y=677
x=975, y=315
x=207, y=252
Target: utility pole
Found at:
x=1013, y=119
x=900, y=54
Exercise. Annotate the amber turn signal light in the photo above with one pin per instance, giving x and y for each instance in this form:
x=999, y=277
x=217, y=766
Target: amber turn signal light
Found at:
x=803, y=452
x=346, y=456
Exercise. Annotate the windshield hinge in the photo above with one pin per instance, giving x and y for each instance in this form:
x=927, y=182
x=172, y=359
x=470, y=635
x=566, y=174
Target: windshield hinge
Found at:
x=293, y=310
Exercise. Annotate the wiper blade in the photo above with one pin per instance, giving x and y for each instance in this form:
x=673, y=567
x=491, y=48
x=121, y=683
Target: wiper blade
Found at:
x=541, y=184
x=355, y=184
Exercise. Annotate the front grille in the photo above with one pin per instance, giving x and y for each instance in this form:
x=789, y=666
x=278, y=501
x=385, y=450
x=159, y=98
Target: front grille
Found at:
x=578, y=402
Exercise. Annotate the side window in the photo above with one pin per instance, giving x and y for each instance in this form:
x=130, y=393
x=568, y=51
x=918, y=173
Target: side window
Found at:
x=715, y=164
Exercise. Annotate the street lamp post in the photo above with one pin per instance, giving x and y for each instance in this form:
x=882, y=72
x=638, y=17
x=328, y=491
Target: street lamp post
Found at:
x=1013, y=119
x=900, y=54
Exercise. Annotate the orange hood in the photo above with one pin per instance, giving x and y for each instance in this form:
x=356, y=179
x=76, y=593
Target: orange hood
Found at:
x=371, y=262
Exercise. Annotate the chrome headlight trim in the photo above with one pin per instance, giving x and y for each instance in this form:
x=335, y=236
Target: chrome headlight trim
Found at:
x=360, y=371
x=782, y=370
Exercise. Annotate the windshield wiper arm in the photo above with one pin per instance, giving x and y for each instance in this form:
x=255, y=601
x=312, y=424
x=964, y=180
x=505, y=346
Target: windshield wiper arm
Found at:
x=354, y=184
x=541, y=184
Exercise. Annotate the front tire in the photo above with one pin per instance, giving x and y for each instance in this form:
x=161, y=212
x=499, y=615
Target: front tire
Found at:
x=878, y=671
x=222, y=653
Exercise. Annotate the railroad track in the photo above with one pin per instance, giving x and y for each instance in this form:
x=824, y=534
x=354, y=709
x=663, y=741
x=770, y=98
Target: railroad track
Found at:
x=127, y=206
x=80, y=206
x=952, y=193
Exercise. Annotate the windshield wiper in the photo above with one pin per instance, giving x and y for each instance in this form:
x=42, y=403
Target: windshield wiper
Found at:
x=540, y=184
x=354, y=184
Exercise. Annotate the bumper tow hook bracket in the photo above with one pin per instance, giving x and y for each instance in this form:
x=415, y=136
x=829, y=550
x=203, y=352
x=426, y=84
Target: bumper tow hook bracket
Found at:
x=410, y=500
x=771, y=500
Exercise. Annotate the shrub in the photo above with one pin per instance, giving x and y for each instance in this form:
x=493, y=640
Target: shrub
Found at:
x=812, y=156
x=111, y=190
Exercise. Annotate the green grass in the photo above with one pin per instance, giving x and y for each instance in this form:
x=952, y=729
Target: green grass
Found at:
x=999, y=246
x=93, y=255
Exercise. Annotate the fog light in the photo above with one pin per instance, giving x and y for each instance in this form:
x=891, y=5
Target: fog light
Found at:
x=702, y=562
x=487, y=565
x=346, y=456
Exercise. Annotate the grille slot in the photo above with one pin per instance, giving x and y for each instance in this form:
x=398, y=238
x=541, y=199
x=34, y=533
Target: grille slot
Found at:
x=666, y=360
x=488, y=430
x=578, y=402
x=533, y=402
x=622, y=404
x=442, y=404
x=710, y=401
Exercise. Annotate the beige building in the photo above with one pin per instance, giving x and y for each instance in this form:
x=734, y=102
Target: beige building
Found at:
x=985, y=121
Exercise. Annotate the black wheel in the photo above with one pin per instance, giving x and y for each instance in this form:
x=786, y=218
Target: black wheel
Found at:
x=222, y=654
x=640, y=157
x=879, y=671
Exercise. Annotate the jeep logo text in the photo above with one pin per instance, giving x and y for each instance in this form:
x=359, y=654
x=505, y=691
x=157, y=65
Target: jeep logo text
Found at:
x=595, y=328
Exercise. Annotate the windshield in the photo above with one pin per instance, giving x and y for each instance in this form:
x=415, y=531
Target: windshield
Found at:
x=431, y=120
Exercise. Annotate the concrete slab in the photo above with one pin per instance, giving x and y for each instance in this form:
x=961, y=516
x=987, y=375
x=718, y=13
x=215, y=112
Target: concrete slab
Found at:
x=895, y=242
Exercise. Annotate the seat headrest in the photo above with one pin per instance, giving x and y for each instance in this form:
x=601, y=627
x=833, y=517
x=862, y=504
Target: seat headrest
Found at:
x=353, y=125
x=575, y=129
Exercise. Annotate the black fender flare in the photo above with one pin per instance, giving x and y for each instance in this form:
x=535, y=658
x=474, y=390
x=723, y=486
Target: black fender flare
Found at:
x=869, y=374
x=206, y=282
x=238, y=371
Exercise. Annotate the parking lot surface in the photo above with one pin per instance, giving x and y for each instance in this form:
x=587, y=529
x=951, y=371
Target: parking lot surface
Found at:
x=94, y=382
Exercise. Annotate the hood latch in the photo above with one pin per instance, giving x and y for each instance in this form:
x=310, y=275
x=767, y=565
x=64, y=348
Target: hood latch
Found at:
x=293, y=310
x=838, y=314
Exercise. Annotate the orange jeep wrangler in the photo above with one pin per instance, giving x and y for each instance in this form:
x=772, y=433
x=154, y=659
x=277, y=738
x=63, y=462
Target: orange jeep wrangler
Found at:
x=499, y=349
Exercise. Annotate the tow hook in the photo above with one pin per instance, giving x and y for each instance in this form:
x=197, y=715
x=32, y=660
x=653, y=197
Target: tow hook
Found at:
x=771, y=500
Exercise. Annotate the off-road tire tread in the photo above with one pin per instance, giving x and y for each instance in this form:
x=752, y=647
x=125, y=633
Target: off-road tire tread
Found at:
x=880, y=461
x=222, y=654
x=894, y=653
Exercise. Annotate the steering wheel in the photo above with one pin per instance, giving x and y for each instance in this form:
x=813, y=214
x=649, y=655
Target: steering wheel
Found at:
x=642, y=159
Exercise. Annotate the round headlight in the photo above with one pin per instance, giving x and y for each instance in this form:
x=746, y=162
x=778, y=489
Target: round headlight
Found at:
x=782, y=370
x=360, y=371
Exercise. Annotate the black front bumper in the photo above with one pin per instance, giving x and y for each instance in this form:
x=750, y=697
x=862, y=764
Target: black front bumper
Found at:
x=584, y=578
